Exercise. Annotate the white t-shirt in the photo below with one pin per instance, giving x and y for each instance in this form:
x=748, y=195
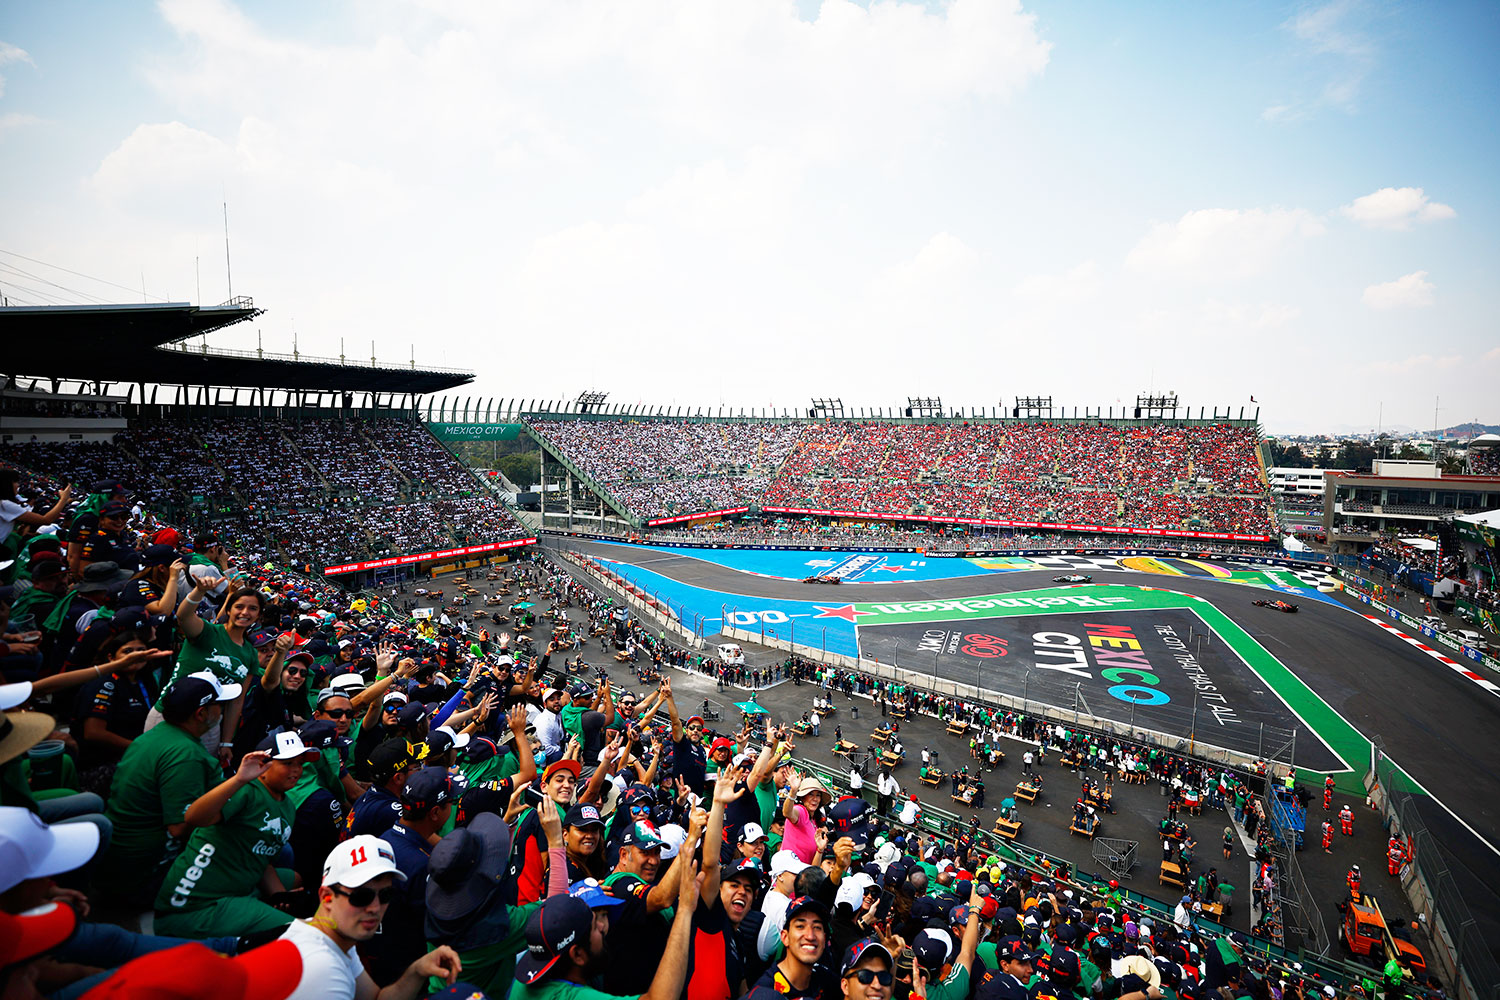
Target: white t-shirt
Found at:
x=9, y=511
x=328, y=972
x=909, y=812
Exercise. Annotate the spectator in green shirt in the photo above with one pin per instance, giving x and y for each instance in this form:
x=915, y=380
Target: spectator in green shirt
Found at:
x=223, y=650
x=164, y=771
x=213, y=887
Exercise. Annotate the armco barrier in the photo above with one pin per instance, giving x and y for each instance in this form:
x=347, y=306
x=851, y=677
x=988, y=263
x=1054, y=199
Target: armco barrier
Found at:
x=1288, y=560
x=1354, y=585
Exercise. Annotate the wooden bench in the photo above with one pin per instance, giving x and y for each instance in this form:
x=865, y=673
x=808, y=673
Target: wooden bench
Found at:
x=1027, y=793
x=889, y=759
x=897, y=712
x=957, y=727
x=1086, y=830
x=1171, y=874
x=881, y=736
x=1009, y=829
x=932, y=778
x=801, y=728
x=965, y=798
x=844, y=748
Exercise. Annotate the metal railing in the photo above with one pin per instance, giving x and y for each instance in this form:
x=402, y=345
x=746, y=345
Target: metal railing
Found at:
x=1463, y=945
x=296, y=357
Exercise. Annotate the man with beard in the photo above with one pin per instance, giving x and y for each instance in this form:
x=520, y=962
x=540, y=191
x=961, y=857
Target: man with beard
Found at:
x=565, y=944
x=640, y=928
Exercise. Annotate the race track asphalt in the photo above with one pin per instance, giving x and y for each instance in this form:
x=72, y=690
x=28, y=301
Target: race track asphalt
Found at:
x=1443, y=730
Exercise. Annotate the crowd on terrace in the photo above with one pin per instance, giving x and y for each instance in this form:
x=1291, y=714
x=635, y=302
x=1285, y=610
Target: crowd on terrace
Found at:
x=1204, y=476
x=313, y=492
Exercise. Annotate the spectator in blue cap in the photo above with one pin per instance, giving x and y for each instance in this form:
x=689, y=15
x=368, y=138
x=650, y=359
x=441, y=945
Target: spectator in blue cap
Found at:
x=1017, y=964
x=427, y=802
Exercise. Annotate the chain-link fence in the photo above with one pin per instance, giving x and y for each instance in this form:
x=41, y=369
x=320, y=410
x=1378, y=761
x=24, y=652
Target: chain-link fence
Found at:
x=1463, y=944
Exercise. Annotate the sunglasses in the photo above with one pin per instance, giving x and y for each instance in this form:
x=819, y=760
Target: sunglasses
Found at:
x=338, y=713
x=364, y=896
x=865, y=976
x=295, y=671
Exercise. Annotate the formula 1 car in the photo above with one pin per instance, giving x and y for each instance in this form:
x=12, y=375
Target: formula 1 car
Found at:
x=1073, y=578
x=1282, y=606
x=815, y=578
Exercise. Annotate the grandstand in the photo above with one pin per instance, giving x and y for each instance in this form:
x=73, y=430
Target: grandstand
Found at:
x=335, y=475
x=1195, y=477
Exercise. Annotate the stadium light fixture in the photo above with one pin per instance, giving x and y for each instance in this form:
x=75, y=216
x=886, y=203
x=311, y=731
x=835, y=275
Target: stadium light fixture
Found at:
x=591, y=400
x=823, y=409
x=1032, y=406
x=924, y=406
x=1149, y=406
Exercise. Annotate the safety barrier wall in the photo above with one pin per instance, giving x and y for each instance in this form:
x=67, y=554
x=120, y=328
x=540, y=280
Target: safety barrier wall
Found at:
x=1461, y=947
x=1360, y=588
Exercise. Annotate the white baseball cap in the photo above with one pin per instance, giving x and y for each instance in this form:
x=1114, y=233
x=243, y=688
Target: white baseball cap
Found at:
x=460, y=740
x=673, y=837
x=751, y=832
x=15, y=694
x=29, y=848
x=786, y=861
x=222, y=692
x=359, y=859
x=287, y=746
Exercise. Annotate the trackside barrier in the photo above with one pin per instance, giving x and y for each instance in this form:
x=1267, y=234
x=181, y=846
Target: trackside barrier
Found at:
x=661, y=612
x=1359, y=588
x=1461, y=948
x=1289, y=560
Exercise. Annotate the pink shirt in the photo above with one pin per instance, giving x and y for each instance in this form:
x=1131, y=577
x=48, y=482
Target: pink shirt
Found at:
x=799, y=835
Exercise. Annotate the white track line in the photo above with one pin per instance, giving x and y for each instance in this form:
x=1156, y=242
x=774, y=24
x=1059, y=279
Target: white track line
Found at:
x=1442, y=658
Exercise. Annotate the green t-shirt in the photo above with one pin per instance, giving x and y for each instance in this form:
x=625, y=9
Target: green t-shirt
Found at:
x=15, y=789
x=214, y=651
x=492, y=967
x=571, y=718
x=765, y=798
x=323, y=772
x=229, y=858
x=955, y=987
x=162, y=772
x=556, y=989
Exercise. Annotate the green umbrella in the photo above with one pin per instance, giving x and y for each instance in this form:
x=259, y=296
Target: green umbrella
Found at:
x=751, y=707
x=522, y=606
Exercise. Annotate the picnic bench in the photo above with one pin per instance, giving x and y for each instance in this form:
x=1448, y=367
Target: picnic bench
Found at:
x=1089, y=827
x=889, y=758
x=932, y=778
x=844, y=748
x=1171, y=874
x=881, y=735
x=897, y=711
x=1028, y=792
x=957, y=727
x=1008, y=828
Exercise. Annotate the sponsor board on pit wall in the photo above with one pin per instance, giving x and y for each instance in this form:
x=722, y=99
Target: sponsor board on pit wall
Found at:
x=417, y=557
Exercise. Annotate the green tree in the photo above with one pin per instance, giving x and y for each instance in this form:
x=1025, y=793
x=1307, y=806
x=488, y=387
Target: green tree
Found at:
x=1356, y=455
x=521, y=468
x=1289, y=456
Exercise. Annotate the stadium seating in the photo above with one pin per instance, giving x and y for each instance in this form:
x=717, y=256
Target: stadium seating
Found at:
x=310, y=492
x=1159, y=476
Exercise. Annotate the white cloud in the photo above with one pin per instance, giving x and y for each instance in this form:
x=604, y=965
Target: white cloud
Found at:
x=15, y=119
x=1341, y=52
x=1396, y=208
x=1214, y=244
x=1493, y=354
x=1414, y=363
x=1408, y=290
x=12, y=54
x=1077, y=283
x=1245, y=316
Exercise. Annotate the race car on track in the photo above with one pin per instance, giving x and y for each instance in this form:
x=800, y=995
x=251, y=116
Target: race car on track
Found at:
x=1278, y=605
x=815, y=578
x=1073, y=578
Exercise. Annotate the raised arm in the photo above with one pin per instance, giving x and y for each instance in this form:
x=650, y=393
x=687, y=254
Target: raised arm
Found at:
x=188, y=622
x=208, y=808
x=666, y=687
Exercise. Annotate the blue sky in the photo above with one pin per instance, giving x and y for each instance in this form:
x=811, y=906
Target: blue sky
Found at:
x=755, y=203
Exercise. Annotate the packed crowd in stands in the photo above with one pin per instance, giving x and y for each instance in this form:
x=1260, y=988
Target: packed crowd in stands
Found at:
x=1484, y=461
x=276, y=789
x=1204, y=476
x=313, y=492
x=659, y=468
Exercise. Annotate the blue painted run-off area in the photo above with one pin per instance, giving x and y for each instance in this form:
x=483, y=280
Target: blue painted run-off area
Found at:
x=803, y=622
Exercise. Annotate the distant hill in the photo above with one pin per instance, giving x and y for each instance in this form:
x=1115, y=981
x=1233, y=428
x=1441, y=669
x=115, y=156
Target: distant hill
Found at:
x=1467, y=430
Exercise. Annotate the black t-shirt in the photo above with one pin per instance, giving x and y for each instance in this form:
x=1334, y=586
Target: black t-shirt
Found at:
x=138, y=593
x=633, y=931
x=690, y=763
x=122, y=703
x=264, y=711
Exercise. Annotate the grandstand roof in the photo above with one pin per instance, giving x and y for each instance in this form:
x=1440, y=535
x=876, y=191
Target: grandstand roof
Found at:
x=144, y=343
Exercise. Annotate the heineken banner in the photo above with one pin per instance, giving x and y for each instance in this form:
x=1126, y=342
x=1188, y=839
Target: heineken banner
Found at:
x=418, y=557
x=986, y=522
